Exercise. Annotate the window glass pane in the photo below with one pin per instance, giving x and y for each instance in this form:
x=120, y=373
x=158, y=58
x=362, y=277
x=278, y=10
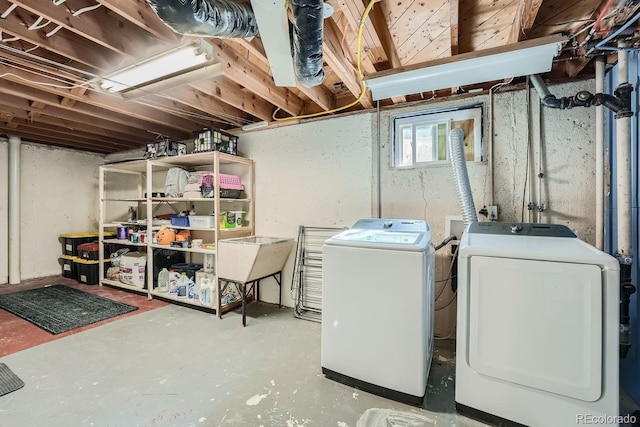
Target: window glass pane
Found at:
x=469, y=143
x=442, y=141
x=405, y=156
x=422, y=138
x=424, y=143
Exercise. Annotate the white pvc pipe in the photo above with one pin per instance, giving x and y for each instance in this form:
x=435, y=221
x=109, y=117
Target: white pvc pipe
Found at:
x=600, y=63
x=623, y=162
x=14, y=210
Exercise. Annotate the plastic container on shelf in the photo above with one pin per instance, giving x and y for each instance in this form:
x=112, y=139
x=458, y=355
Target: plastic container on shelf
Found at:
x=163, y=280
x=183, y=286
x=202, y=221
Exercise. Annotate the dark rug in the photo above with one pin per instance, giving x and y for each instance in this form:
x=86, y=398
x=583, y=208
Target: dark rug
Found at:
x=59, y=308
x=8, y=380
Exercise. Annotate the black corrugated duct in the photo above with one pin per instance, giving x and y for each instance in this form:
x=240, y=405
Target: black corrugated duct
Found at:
x=233, y=19
x=307, y=41
x=209, y=18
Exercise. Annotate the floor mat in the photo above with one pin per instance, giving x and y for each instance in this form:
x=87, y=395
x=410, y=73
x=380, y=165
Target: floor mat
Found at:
x=59, y=308
x=8, y=380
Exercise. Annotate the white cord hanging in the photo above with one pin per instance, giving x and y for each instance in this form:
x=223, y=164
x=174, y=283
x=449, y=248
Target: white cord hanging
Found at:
x=8, y=11
x=85, y=9
x=55, y=30
x=36, y=25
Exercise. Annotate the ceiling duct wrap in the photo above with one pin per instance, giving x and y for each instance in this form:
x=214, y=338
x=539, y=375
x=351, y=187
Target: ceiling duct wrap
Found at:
x=208, y=18
x=233, y=19
x=307, y=41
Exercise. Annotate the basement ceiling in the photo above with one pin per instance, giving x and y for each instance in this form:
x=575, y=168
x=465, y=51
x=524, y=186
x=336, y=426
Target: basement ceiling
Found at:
x=52, y=50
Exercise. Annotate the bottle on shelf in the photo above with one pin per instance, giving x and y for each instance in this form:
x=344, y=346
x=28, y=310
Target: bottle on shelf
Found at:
x=131, y=217
x=163, y=280
x=183, y=285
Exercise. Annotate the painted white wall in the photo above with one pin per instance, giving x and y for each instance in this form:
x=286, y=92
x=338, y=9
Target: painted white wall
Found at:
x=59, y=195
x=334, y=163
x=323, y=173
x=315, y=174
x=568, y=163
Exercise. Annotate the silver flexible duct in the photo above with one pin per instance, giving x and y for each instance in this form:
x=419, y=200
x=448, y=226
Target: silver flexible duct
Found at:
x=209, y=18
x=307, y=41
x=459, y=166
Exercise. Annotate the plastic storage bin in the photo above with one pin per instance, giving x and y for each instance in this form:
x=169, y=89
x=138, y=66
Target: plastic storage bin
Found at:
x=180, y=221
x=89, y=250
x=70, y=241
x=211, y=139
x=69, y=266
x=88, y=270
x=202, y=221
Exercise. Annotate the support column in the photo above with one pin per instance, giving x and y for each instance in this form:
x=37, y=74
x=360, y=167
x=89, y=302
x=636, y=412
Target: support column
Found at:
x=14, y=210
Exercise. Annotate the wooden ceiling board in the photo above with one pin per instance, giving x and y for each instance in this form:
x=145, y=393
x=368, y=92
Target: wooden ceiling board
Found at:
x=488, y=21
x=107, y=34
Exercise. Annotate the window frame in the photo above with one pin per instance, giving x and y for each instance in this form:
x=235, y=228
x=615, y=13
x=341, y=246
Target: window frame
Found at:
x=436, y=117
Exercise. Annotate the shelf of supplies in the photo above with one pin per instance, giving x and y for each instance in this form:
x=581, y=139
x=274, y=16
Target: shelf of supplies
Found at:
x=132, y=225
x=173, y=297
x=194, y=199
x=124, y=242
x=237, y=230
x=124, y=199
x=192, y=250
x=119, y=284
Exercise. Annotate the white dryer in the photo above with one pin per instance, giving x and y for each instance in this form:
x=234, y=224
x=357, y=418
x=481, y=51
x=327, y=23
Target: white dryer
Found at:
x=537, y=337
x=377, y=308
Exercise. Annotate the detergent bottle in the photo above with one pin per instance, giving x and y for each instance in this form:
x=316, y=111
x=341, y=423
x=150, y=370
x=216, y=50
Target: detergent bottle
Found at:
x=183, y=285
x=163, y=280
x=206, y=292
x=174, y=277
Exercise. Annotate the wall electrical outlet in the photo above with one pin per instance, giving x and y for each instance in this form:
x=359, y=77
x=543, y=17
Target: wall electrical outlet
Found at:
x=492, y=213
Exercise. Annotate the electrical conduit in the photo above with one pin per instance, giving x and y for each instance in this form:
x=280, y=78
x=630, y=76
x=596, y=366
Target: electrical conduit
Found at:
x=459, y=166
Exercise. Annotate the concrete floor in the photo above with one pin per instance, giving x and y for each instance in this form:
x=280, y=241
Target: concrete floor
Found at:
x=176, y=366
x=168, y=365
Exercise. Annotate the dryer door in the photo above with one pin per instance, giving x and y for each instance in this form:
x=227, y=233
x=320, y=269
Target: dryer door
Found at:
x=537, y=324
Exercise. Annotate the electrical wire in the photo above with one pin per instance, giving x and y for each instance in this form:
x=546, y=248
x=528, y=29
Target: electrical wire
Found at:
x=449, y=277
x=363, y=84
x=455, y=323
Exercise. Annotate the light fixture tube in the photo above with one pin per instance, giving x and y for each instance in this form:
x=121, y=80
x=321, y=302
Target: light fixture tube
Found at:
x=256, y=125
x=167, y=69
x=519, y=59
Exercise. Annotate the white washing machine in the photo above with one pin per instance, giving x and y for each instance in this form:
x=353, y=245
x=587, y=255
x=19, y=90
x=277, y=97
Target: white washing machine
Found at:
x=537, y=338
x=377, y=308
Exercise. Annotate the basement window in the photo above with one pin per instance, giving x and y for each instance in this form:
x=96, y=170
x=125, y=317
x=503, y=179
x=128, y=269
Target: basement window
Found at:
x=422, y=139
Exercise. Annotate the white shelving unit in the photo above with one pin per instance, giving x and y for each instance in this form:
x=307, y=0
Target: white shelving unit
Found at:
x=134, y=183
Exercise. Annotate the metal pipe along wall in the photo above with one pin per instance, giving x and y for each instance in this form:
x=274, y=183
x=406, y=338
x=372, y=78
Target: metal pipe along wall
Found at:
x=600, y=63
x=623, y=166
x=14, y=210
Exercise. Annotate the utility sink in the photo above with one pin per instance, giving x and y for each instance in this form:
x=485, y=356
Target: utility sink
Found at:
x=246, y=259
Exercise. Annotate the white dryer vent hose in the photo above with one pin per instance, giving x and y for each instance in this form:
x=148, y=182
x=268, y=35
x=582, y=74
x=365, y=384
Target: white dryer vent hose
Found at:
x=459, y=166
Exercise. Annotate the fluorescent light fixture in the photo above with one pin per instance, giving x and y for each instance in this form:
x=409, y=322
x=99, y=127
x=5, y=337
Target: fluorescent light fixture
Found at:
x=271, y=16
x=518, y=59
x=254, y=126
x=175, y=67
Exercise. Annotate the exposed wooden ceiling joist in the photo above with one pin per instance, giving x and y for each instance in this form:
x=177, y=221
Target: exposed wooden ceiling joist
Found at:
x=86, y=39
